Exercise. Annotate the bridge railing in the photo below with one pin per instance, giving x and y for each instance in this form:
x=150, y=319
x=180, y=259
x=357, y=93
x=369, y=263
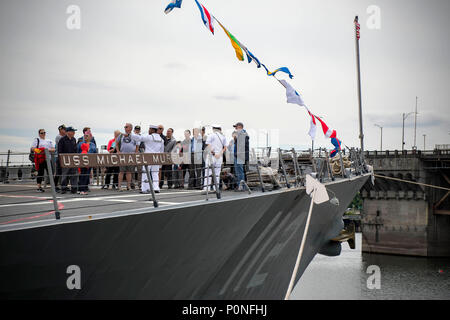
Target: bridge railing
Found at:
x=396, y=153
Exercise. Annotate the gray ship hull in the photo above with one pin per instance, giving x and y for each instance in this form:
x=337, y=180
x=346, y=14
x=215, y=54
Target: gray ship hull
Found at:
x=239, y=248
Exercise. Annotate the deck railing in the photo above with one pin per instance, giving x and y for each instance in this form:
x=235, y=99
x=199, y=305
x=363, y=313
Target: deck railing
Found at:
x=267, y=169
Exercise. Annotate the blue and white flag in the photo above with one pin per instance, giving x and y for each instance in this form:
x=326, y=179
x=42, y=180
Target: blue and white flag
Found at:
x=251, y=57
x=282, y=69
x=173, y=4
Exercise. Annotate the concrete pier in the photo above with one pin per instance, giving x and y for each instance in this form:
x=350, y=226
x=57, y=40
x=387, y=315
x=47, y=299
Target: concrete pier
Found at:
x=404, y=218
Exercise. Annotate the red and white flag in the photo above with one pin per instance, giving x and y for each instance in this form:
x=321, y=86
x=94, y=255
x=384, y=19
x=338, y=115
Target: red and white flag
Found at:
x=207, y=18
x=312, y=127
x=326, y=131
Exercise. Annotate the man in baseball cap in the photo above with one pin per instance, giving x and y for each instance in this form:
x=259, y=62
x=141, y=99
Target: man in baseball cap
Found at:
x=58, y=171
x=241, y=153
x=239, y=124
x=68, y=144
x=70, y=129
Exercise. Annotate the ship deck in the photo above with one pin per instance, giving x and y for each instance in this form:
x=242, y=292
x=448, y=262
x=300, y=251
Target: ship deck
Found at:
x=20, y=202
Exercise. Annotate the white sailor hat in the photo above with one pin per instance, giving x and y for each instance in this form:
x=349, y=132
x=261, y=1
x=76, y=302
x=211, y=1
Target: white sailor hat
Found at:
x=153, y=126
x=216, y=126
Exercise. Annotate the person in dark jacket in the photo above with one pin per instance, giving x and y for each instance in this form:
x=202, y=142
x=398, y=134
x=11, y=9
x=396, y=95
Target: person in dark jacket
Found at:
x=167, y=170
x=68, y=144
x=58, y=171
x=241, y=153
x=85, y=146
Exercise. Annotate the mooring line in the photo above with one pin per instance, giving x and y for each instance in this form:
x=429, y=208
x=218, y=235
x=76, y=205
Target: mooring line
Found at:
x=407, y=181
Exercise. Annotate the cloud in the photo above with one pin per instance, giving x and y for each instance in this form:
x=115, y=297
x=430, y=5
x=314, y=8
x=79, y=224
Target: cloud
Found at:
x=227, y=97
x=395, y=120
x=175, y=65
x=14, y=143
x=87, y=84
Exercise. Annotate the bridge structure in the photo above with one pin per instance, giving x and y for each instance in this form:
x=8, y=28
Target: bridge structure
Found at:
x=407, y=209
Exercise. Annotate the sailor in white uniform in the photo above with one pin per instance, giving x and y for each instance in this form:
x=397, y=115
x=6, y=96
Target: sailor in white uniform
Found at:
x=216, y=145
x=153, y=144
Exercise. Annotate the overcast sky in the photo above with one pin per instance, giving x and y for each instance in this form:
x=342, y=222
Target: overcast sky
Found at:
x=130, y=62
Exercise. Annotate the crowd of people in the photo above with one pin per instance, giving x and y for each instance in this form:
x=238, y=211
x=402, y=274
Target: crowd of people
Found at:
x=202, y=159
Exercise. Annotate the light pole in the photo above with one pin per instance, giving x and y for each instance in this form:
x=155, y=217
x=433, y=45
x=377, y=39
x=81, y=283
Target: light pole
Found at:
x=415, y=126
x=424, y=135
x=381, y=143
x=405, y=115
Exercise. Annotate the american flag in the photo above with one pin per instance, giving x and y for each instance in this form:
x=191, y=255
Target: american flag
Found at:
x=357, y=27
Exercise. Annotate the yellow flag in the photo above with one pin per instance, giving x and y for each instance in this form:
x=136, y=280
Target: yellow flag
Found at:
x=234, y=43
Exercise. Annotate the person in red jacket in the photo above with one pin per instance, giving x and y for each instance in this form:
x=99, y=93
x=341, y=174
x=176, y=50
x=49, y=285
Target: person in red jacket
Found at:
x=112, y=171
x=38, y=147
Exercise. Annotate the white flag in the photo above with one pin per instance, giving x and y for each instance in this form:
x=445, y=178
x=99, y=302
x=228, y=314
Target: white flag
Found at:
x=292, y=95
x=296, y=98
x=317, y=190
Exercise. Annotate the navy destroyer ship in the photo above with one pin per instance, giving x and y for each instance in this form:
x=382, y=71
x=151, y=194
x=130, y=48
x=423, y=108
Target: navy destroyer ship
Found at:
x=224, y=245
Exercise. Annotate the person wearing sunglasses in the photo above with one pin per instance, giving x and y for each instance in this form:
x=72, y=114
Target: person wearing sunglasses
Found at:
x=127, y=143
x=38, y=148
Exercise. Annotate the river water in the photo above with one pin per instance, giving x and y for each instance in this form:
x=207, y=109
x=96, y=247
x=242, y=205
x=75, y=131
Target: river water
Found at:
x=354, y=275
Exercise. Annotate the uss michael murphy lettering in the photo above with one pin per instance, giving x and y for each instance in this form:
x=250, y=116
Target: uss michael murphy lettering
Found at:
x=76, y=160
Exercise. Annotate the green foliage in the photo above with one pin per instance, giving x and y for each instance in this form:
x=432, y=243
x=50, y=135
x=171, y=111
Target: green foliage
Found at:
x=357, y=202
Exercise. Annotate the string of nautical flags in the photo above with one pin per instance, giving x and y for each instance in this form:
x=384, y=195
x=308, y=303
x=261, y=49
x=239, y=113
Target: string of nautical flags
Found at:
x=292, y=95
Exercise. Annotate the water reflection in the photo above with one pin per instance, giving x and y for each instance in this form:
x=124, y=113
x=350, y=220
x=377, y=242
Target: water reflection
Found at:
x=402, y=277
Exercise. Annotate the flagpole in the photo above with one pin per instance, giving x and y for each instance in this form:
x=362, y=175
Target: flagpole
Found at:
x=361, y=134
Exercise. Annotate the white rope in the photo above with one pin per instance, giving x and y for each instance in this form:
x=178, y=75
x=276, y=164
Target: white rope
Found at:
x=420, y=184
x=300, y=253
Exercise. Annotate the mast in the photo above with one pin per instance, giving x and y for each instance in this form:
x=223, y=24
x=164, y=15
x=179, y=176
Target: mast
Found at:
x=361, y=134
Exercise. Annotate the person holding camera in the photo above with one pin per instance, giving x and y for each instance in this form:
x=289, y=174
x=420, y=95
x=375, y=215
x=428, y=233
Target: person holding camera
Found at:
x=38, y=150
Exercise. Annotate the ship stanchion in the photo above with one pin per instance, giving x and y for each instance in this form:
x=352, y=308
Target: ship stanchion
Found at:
x=342, y=164
x=152, y=191
x=260, y=178
x=320, y=174
x=7, y=166
x=283, y=168
x=330, y=171
x=52, y=183
x=294, y=158
x=206, y=173
x=258, y=170
x=363, y=162
x=313, y=162
x=297, y=166
x=356, y=161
